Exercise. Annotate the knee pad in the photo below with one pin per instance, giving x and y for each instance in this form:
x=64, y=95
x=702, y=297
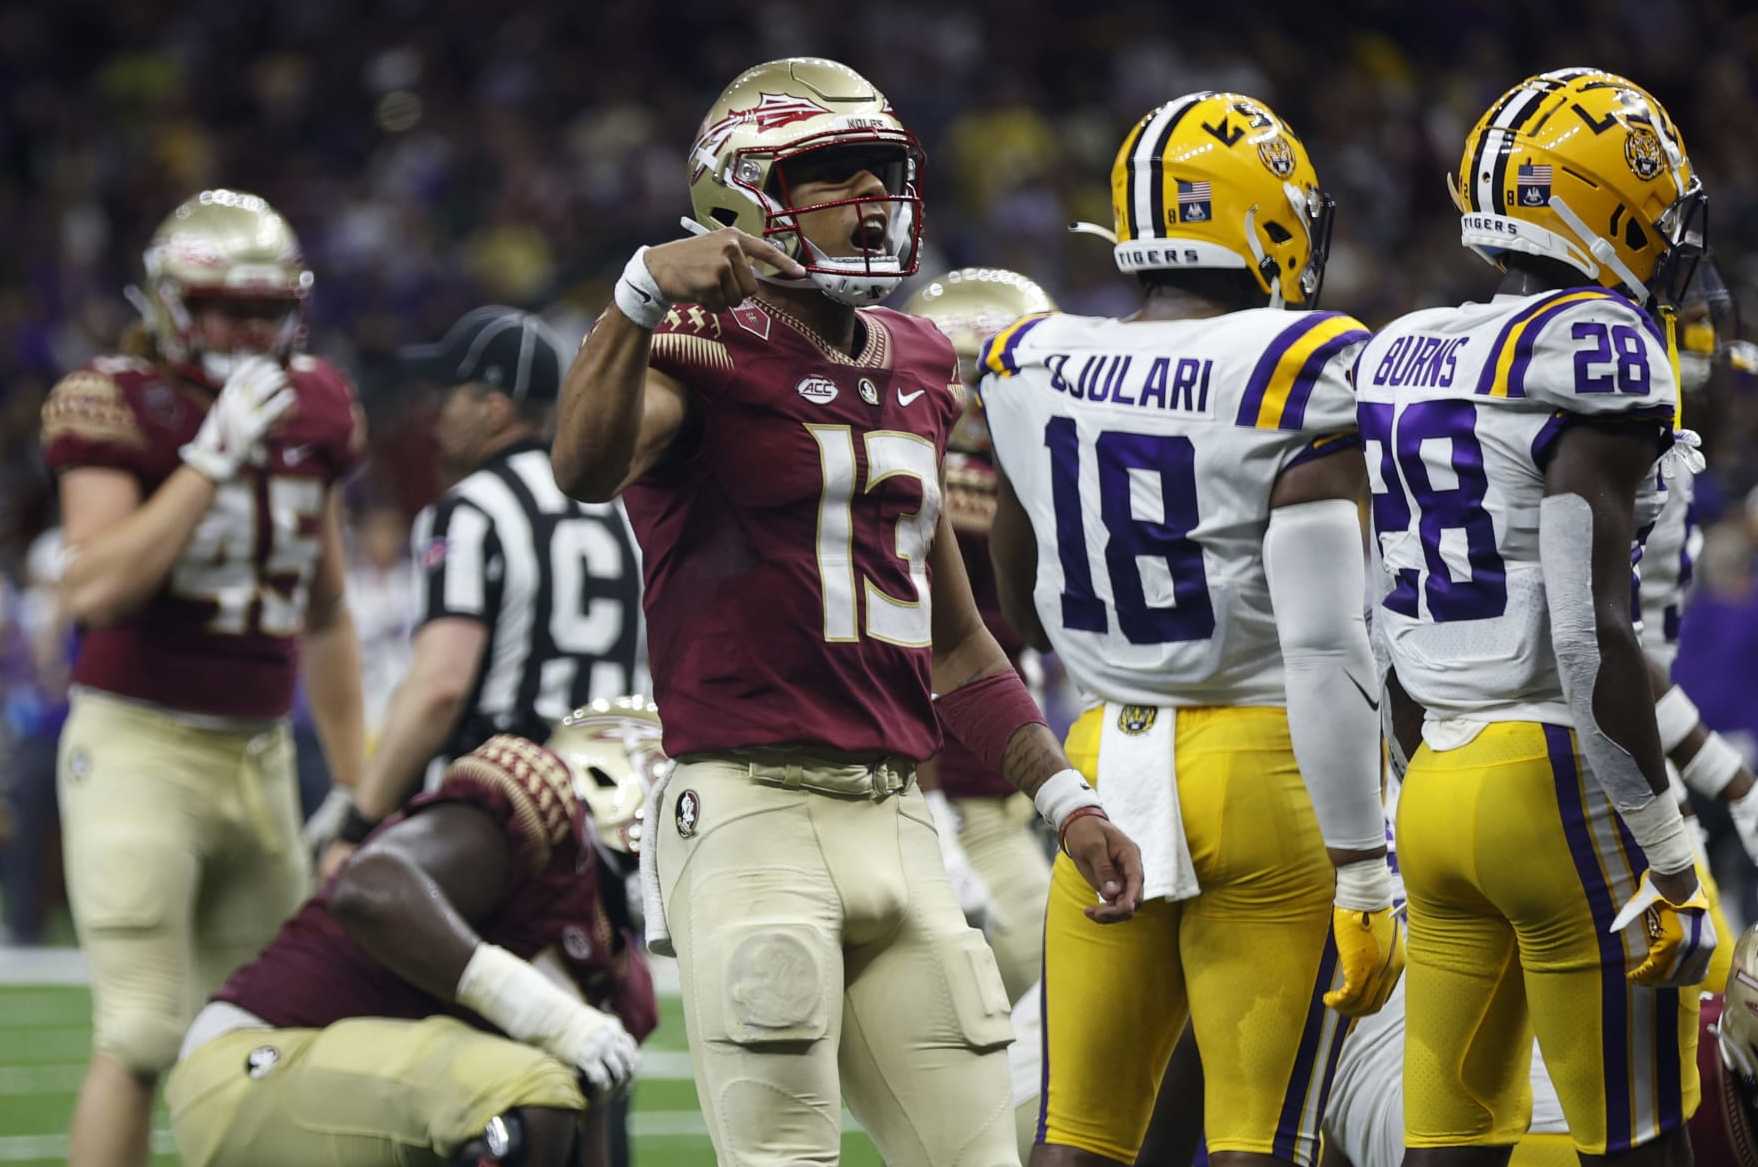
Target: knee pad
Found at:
x=145, y=1042
x=973, y=984
x=774, y=983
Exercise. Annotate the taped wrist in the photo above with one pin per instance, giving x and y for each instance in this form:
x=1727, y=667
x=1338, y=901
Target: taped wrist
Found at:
x=516, y=998
x=1712, y=767
x=1677, y=716
x=1659, y=829
x=984, y=714
x=637, y=293
x=1364, y=885
x=1064, y=794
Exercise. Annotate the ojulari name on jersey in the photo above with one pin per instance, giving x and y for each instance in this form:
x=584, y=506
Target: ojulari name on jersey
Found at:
x=1167, y=384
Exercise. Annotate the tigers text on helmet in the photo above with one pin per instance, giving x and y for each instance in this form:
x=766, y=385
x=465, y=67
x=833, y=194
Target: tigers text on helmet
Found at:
x=804, y=115
x=1217, y=180
x=612, y=751
x=1585, y=168
x=221, y=244
x=971, y=305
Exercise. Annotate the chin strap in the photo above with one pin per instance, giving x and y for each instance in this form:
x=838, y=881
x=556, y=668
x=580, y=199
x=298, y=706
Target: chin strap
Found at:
x=1602, y=250
x=1260, y=257
x=1080, y=227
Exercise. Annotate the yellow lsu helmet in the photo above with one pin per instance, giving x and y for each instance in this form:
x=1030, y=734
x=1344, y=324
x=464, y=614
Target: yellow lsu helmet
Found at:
x=1217, y=180
x=970, y=305
x=613, y=754
x=220, y=244
x=783, y=121
x=1584, y=167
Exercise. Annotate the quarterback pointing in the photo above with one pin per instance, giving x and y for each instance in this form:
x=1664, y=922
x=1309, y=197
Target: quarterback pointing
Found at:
x=1511, y=447
x=1178, y=520
x=779, y=448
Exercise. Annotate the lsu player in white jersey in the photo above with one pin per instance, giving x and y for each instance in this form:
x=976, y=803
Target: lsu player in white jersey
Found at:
x=1177, y=518
x=1507, y=444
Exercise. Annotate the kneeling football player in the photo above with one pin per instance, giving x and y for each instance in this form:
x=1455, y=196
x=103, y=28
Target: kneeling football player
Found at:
x=459, y=990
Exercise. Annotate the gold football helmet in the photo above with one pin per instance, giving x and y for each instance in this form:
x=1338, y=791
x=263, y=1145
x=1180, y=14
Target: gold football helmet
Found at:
x=1217, y=180
x=971, y=305
x=612, y=751
x=1586, y=168
x=806, y=115
x=220, y=244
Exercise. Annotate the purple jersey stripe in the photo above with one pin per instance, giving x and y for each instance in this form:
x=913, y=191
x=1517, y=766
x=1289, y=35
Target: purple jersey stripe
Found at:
x=1294, y=413
x=1613, y=1000
x=1007, y=357
x=1259, y=382
x=1487, y=380
x=1043, y=1041
x=1288, y=1130
x=1324, y=448
x=1668, y=1079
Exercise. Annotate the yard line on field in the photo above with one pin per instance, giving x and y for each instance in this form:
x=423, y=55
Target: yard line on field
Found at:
x=23, y=1148
x=42, y=966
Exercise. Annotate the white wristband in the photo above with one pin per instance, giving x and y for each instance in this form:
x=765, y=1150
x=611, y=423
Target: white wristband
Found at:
x=514, y=996
x=1660, y=831
x=1676, y=716
x=1063, y=793
x=1712, y=767
x=1364, y=885
x=637, y=294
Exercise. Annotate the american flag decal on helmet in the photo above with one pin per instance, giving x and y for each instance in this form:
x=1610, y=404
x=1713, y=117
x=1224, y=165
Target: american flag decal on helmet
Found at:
x=1532, y=184
x=1194, y=202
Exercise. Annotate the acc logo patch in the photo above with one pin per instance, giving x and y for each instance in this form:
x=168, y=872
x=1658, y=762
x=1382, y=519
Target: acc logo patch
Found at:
x=1137, y=719
x=259, y=1062
x=869, y=392
x=689, y=813
x=1277, y=156
x=817, y=390
x=1642, y=152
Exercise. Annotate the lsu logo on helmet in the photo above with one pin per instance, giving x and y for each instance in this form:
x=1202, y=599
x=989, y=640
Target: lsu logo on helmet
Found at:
x=1586, y=168
x=1218, y=180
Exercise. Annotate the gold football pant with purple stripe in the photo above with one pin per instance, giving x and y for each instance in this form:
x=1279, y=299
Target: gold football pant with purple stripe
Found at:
x=1515, y=864
x=1247, y=961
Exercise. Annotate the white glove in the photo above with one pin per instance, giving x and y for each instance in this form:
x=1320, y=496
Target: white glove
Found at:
x=973, y=894
x=253, y=399
x=523, y=1004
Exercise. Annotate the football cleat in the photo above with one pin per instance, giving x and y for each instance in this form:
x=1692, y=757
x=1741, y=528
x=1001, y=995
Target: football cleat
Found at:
x=784, y=121
x=221, y=244
x=613, y=754
x=1217, y=180
x=1569, y=154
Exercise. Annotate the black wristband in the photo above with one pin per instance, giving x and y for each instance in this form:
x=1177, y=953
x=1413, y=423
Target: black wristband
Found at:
x=355, y=826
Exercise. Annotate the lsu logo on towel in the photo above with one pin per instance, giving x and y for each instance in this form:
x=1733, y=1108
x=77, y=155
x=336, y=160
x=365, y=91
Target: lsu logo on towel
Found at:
x=1137, y=719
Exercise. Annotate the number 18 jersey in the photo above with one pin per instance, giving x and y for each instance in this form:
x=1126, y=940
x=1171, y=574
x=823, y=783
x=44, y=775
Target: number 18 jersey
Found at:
x=1460, y=410
x=1145, y=453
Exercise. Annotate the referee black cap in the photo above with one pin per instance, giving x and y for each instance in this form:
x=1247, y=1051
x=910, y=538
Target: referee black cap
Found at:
x=504, y=348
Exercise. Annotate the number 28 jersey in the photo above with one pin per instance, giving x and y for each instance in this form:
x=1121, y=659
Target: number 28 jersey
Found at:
x=1145, y=453
x=220, y=638
x=1460, y=410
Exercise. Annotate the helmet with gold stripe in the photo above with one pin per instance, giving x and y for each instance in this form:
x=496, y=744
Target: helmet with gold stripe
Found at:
x=1585, y=168
x=1218, y=180
x=786, y=122
x=613, y=754
x=971, y=305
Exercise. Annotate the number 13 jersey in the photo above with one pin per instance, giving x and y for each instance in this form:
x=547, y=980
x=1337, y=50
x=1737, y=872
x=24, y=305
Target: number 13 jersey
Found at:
x=1460, y=410
x=1145, y=453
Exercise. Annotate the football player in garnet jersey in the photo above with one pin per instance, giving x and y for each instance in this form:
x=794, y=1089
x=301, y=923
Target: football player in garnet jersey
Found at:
x=452, y=994
x=203, y=520
x=981, y=818
x=779, y=449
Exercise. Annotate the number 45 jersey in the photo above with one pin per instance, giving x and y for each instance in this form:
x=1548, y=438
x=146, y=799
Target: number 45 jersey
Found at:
x=1460, y=411
x=1145, y=453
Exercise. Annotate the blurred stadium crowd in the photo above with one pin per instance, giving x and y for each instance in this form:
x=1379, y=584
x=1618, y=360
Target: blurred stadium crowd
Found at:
x=433, y=156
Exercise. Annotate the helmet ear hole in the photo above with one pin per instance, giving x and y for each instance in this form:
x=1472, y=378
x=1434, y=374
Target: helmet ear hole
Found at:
x=725, y=216
x=1634, y=237
x=603, y=780
x=1277, y=232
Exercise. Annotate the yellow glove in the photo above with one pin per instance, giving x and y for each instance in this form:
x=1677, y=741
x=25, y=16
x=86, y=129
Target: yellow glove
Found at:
x=1370, y=951
x=1681, y=937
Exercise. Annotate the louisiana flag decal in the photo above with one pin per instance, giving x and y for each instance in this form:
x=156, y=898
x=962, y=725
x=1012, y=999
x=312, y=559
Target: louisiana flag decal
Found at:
x=1194, y=202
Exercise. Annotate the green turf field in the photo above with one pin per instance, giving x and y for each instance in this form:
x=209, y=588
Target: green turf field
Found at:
x=44, y=1037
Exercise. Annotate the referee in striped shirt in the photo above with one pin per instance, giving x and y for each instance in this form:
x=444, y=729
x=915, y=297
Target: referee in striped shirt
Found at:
x=529, y=601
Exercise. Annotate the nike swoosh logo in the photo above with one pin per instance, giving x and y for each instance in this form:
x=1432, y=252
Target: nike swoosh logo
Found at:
x=645, y=298
x=905, y=398
x=1371, y=703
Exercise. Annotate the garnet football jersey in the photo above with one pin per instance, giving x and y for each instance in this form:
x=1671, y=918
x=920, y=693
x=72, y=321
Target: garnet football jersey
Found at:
x=1460, y=409
x=1145, y=453
x=312, y=975
x=785, y=541
x=221, y=635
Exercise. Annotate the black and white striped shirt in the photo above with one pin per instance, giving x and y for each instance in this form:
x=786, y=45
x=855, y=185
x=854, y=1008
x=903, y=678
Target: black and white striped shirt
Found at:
x=557, y=582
